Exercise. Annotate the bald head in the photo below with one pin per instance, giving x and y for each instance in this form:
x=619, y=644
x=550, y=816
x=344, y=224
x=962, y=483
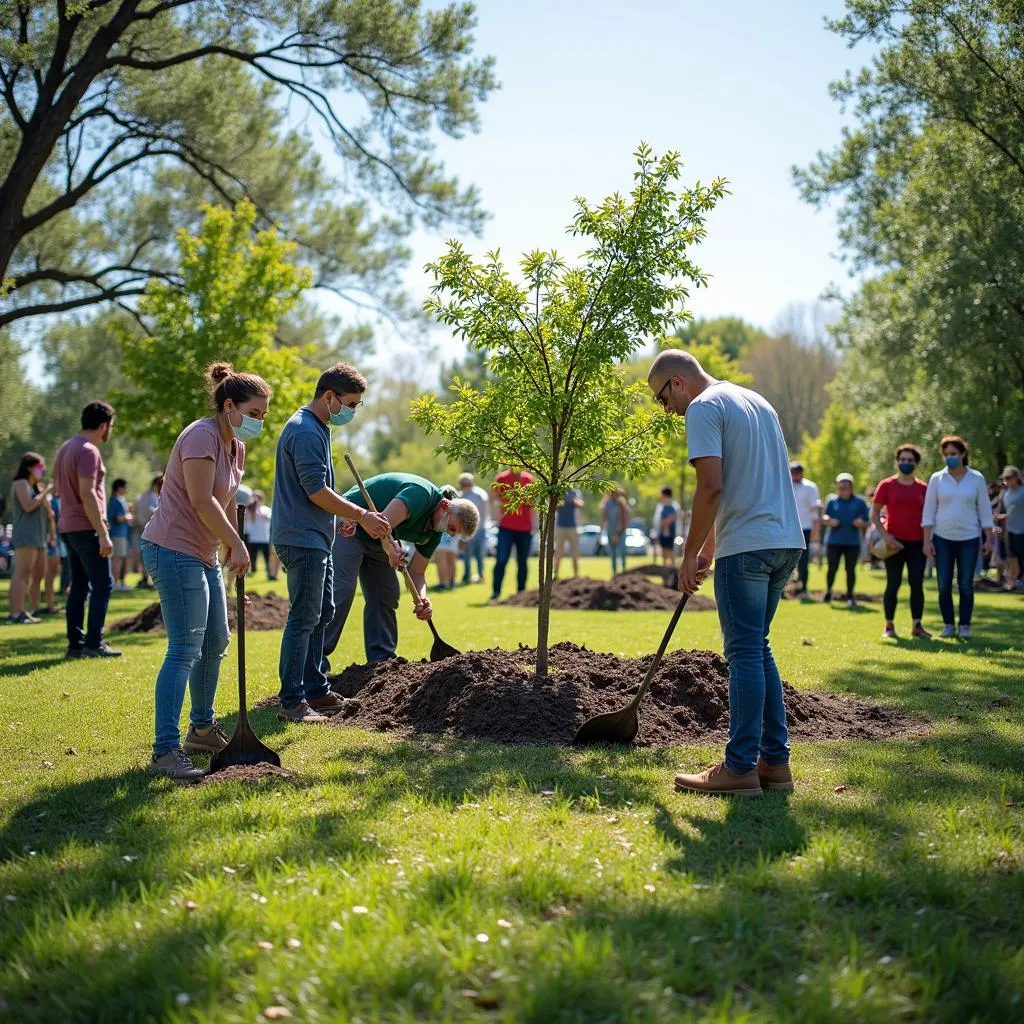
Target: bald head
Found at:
x=675, y=379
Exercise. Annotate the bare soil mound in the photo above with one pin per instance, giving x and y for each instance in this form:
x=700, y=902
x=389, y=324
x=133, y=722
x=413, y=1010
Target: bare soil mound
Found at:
x=626, y=592
x=838, y=596
x=262, y=612
x=668, y=576
x=248, y=773
x=494, y=695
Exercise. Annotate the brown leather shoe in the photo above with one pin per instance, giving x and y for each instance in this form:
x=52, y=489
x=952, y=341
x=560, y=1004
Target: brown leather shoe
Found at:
x=301, y=712
x=719, y=781
x=776, y=777
x=329, y=704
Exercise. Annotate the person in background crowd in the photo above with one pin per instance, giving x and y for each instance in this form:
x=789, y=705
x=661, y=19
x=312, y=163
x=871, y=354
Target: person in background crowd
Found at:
x=446, y=556
x=666, y=526
x=896, y=511
x=31, y=517
x=418, y=513
x=475, y=548
x=120, y=519
x=257, y=534
x=808, y=505
x=847, y=518
x=144, y=509
x=1011, y=521
x=614, y=520
x=567, y=530
x=744, y=517
x=515, y=529
x=79, y=474
x=957, y=520
x=180, y=548
x=304, y=531
x=56, y=560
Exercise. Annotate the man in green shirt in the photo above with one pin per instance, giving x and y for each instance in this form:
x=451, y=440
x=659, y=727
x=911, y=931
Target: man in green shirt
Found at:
x=419, y=513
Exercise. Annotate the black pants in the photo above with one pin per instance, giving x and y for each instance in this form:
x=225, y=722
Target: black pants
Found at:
x=912, y=556
x=849, y=553
x=255, y=550
x=805, y=557
x=507, y=541
x=90, y=579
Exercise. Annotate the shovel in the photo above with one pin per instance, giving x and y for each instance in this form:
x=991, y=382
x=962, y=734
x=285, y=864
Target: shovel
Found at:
x=244, y=747
x=622, y=726
x=439, y=650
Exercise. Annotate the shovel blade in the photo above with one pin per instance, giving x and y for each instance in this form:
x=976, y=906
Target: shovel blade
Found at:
x=611, y=727
x=244, y=747
x=440, y=650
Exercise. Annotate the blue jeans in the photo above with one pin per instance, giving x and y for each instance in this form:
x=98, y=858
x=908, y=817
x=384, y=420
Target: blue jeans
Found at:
x=302, y=668
x=90, y=578
x=748, y=587
x=195, y=614
x=617, y=548
x=476, y=548
x=963, y=554
x=507, y=540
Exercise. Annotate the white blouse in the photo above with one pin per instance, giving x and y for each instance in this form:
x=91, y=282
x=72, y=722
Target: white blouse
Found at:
x=957, y=510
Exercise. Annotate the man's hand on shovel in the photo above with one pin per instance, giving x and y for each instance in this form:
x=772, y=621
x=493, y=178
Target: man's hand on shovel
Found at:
x=692, y=573
x=375, y=524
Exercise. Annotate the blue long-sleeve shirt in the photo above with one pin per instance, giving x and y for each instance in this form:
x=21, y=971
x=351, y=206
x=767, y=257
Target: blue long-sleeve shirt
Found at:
x=846, y=511
x=304, y=467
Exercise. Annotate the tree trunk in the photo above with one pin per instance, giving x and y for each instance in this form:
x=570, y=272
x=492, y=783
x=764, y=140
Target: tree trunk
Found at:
x=546, y=570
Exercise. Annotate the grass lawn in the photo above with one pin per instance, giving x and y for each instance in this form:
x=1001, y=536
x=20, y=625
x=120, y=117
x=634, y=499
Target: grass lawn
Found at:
x=442, y=881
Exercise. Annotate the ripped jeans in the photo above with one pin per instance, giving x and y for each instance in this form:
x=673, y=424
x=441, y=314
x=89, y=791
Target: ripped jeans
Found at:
x=195, y=614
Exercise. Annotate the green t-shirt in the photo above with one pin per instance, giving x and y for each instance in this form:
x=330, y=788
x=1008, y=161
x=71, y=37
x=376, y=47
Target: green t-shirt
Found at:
x=418, y=495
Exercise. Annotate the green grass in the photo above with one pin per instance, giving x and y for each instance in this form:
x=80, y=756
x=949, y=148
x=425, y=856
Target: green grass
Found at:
x=518, y=884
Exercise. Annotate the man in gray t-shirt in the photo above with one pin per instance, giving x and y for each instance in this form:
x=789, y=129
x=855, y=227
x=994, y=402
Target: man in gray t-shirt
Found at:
x=744, y=516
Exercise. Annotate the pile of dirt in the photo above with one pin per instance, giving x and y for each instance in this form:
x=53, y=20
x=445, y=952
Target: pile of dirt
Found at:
x=262, y=612
x=791, y=593
x=494, y=695
x=627, y=592
x=668, y=576
x=248, y=773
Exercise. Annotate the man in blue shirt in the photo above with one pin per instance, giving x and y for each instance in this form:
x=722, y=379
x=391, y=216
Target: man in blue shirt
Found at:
x=119, y=519
x=302, y=530
x=846, y=517
x=567, y=530
x=744, y=516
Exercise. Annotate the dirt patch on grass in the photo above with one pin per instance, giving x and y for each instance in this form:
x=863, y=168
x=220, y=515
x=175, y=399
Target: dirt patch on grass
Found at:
x=263, y=612
x=494, y=695
x=838, y=597
x=626, y=592
x=668, y=576
x=248, y=773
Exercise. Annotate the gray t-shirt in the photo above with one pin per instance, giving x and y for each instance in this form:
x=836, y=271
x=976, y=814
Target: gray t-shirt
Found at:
x=1013, y=502
x=303, y=467
x=757, y=510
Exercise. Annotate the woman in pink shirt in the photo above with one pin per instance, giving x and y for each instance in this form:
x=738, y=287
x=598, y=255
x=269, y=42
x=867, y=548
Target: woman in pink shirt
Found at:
x=179, y=550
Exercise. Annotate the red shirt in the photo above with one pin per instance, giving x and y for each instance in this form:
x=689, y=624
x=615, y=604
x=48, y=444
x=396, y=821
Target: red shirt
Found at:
x=78, y=458
x=903, y=507
x=522, y=518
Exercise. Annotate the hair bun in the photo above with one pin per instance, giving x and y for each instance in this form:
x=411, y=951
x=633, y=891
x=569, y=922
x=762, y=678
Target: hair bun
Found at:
x=216, y=372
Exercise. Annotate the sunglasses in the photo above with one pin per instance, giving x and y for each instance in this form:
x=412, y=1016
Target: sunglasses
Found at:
x=660, y=397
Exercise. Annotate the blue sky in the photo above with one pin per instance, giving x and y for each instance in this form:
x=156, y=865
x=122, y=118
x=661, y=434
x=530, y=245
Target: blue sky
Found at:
x=738, y=86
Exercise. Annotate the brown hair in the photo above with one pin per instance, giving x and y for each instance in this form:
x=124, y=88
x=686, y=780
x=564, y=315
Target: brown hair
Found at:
x=222, y=383
x=342, y=379
x=28, y=462
x=912, y=448
x=958, y=443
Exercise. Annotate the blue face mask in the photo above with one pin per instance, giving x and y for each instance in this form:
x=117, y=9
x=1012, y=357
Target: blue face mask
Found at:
x=953, y=461
x=906, y=468
x=342, y=416
x=248, y=430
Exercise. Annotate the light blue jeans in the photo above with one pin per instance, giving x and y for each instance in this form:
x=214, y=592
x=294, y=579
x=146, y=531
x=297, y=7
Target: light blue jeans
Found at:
x=748, y=587
x=617, y=548
x=303, y=668
x=195, y=615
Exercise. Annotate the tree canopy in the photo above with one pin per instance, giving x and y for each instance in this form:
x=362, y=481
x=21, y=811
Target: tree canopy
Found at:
x=121, y=117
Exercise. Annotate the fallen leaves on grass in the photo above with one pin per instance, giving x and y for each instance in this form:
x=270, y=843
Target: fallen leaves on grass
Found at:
x=807, y=641
x=294, y=944
x=360, y=910
x=485, y=1000
x=277, y=1013
x=190, y=905
x=551, y=913
x=263, y=944
x=839, y=789
x=71, y=752
x=48, y=764
x=1000, y=702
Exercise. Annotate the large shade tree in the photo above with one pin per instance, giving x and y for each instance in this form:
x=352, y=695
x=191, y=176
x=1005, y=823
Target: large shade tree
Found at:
x=120, y=117
x=557, y=400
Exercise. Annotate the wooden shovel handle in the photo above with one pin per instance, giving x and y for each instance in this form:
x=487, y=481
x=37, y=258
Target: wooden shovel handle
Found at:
x=383, y=541
x=661, y=653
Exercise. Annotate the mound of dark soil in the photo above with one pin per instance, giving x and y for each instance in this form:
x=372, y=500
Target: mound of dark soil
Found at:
x=263, y=612
x=494, y=695
x=248, y=773
x=668, y=576
x=626, y=592
x=838, y=596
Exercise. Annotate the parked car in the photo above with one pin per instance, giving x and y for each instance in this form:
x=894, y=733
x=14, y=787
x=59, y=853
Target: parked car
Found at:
x=592, y=541
x=492, y=542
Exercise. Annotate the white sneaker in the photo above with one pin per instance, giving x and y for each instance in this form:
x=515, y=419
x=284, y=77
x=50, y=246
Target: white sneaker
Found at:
x=965, y=632
x=948, y=631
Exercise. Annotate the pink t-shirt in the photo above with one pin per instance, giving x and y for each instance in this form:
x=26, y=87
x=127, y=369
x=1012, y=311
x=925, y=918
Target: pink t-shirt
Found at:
x=77, y=458
x=176, y=524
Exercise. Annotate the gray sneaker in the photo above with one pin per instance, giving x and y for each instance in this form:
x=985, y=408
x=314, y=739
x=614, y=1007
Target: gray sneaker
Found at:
x=301, y=712
x=948, y=630
x=965, y=632
x=211, y=742
x=176, y=766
